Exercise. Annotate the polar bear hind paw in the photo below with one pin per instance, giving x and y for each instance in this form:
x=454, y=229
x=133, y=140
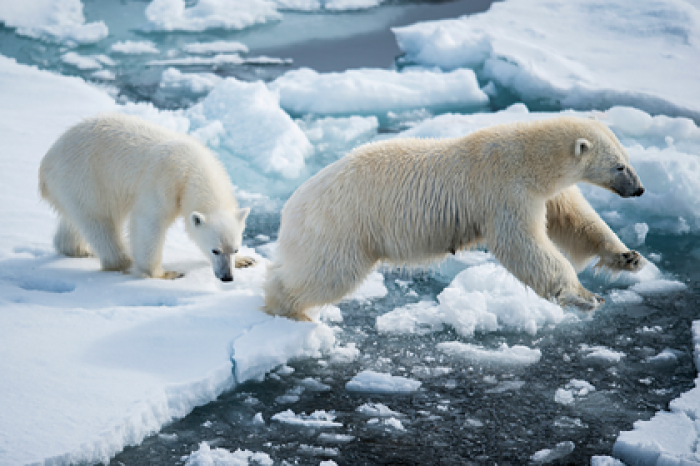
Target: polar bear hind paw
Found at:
x=587, y=303
x=244, y=261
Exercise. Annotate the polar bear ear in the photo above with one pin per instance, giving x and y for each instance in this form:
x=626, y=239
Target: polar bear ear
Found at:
x=196, y=219
x=243, y=214
x=582, y=145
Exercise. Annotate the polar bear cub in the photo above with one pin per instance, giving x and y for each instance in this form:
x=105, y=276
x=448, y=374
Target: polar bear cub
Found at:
x=412, y=201
x=112, y=167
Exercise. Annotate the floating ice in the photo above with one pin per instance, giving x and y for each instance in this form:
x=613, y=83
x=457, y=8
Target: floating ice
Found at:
x=658, y=287
x=206, y=456
x=371, y=288
x=375, y=382
x=131, y=47
x=601, y=355
x=59, y=21
x=86, y=62
x=344, y=355
x=215, y=47
x=176, y=15
x=327, y=5
x=572, y=391
x=483, y=298
x=600, y=460
x=176, y=86
x=570, y=62
x=376, y=91
x=377, y=410
x=277, y=147
x=318, y=418
x=504, y=355
x=550, y=455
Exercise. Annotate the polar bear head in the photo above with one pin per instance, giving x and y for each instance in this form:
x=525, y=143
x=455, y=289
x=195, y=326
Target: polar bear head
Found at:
x=219, y=235
x=606, y=162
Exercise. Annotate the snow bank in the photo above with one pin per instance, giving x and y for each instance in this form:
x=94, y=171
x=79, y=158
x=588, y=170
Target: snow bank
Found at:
x=101, y=360
x=375, y=382
x=175, y=15
x=376, y=91
x=60, y=21
x=573, y=54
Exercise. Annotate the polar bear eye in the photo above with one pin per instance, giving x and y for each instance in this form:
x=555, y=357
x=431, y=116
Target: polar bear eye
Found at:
x=620, y=168
x=216, y=252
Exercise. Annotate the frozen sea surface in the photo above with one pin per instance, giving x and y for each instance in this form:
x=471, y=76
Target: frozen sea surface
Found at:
x=454, y=364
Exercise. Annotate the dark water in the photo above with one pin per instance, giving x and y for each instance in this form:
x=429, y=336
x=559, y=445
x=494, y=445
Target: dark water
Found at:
x=473, y=414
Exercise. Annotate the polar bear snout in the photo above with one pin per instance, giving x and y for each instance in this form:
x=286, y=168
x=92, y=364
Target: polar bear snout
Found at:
x=626, y=183
x=221, y=263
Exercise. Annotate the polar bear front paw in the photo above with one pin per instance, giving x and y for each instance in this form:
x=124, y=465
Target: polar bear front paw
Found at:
x=584, y=300
x=244, y=261
x=629, y=261
x=171, y=275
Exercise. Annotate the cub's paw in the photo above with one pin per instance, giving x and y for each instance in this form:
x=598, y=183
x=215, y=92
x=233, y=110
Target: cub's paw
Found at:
x=244, y=261
x=171, y=275
x=584, y=300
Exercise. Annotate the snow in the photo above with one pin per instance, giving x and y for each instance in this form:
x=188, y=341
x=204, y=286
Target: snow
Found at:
x=60, y=21
x=101, y=360
x=571, y=62
x=375, y=382
x=504, y=355
x=131, y=47
x=175, y=15
x=377, y=91
x=206, y=456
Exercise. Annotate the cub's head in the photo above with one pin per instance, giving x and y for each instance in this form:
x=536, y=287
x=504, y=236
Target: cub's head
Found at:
x=219, y=234
x=605, y=162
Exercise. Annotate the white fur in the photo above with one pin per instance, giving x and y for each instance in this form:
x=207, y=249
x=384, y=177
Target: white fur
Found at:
x=410, y=201
x=112, y=167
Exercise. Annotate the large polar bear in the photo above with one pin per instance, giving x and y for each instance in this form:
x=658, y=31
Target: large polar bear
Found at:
x=113, y=166
x=410, y=201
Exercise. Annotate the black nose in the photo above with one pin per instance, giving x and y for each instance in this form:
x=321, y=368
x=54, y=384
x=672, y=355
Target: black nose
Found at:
x=227, y=278
x=639, y=192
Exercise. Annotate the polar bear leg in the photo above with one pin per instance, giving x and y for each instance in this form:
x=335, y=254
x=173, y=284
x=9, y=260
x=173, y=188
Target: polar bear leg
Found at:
x=105, y=239
x=528, y=253
x=147, y=235
x=580, y=232
x=68, y=240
